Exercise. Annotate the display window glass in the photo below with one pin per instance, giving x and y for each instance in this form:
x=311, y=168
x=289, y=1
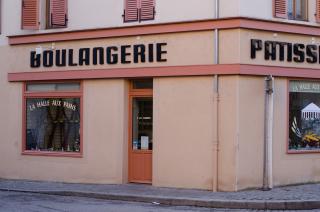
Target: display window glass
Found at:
x=304, y=116
x=53, y=124
x=52, y=118
x=142, y=84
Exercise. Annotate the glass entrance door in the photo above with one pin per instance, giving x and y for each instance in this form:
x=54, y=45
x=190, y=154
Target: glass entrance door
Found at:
x=140, y=135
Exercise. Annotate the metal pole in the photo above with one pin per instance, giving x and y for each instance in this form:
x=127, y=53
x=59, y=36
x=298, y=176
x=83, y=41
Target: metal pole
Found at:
x=217, y=9
x=216, y=46
x=215, y=186
x=268, y=125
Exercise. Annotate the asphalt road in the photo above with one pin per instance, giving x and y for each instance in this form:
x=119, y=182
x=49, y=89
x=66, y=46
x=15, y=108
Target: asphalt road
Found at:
x=17, y=202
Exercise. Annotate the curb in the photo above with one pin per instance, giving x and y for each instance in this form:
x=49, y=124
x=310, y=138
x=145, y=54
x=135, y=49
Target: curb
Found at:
x=196, y=202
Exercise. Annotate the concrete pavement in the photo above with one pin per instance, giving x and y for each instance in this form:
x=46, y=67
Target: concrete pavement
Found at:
x=301, y=197
x=30, y=202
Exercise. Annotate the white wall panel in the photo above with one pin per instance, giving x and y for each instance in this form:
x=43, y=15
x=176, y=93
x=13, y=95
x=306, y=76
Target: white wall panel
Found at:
x=84, y=14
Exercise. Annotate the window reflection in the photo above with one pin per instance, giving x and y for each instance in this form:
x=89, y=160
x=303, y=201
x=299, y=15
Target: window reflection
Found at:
x=297, y=9
x=304, y=116
x=53, y=124
x=142, y=123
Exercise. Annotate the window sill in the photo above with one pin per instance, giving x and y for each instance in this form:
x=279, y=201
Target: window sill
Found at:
x=53, y=154
x=306, y=22
x=292, y=152
x=55, y=27
x=298, y=20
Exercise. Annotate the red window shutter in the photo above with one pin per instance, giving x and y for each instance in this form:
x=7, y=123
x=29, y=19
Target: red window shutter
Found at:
x=131, y=10
x=147, y=10
x=318, y=11
x=280, y=8
x=58, y=13
x=30, y=14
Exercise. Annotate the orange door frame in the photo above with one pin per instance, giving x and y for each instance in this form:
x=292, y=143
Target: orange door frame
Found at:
x=146, y=155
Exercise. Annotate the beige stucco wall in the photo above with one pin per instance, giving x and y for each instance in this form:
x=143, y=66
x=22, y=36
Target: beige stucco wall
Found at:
x=182, y=49
x=105, y=129
x=10, y=109
x=183, y=119
x=289, y=168
x=241, y=113
x=104, y=137
x=250, y=132
x=183, y=135
x=228, y=126
x=229, y=46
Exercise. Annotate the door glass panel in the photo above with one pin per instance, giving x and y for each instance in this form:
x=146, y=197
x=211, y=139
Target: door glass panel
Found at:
x=142, y=84
x=142, y=123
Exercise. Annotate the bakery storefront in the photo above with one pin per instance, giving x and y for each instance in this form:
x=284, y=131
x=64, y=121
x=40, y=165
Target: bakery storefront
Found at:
x=184, y=108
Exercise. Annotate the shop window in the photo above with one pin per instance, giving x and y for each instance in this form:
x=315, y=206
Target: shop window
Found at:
x=139, y=10
x=55, y=10
x=297, y=10
x=291, y=9
x=52, y=119
x=304, y=116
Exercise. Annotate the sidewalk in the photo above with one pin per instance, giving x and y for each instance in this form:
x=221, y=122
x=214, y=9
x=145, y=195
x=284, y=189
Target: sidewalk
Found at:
x=290, y=198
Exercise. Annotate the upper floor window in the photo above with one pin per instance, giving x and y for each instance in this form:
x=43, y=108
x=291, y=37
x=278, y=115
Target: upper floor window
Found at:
x=291, y=9
x=297, y=10
x=55, y=10
x=139, y=10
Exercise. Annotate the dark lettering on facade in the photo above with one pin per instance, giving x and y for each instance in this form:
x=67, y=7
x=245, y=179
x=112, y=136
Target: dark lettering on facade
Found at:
x=98, y=54
x=284, y=51
x=84, y=56
x=161, y=52
x=35, y=60
x=125, y=54
x=61, y=57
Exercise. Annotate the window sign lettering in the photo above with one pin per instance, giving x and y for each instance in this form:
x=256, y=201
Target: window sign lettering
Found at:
x=307, y=87
x=54, y=103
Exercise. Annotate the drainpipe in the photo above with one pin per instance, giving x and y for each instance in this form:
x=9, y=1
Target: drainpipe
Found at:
x=215, y=186
x=216, y=35
x=268, y=121
x=216, y=9
x=215, y=159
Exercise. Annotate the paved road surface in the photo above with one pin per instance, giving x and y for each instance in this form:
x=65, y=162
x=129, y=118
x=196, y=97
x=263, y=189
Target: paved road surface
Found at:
x=17, y=202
